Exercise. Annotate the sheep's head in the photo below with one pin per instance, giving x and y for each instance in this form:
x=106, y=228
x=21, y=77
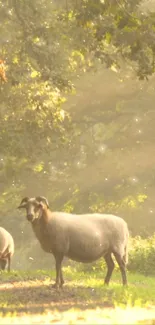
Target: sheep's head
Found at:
x=34, y=207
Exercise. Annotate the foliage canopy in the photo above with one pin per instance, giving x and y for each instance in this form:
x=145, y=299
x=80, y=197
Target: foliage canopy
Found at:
x=82, y=159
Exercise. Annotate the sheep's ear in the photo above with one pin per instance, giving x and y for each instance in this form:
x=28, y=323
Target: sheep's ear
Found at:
x=42, y=199
x=23, y=203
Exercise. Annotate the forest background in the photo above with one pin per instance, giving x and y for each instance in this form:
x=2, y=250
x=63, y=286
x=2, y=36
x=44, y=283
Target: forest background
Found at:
x=77, y=117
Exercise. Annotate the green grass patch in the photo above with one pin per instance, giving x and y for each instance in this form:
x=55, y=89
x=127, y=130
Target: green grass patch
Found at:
x=30, y=293
x=18, y=288
x=140, y=290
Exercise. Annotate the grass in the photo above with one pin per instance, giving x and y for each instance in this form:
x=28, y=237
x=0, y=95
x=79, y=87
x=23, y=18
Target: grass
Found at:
x=27, y=297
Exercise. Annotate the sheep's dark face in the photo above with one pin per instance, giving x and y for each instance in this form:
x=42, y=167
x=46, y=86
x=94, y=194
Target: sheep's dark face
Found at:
x=33, y=209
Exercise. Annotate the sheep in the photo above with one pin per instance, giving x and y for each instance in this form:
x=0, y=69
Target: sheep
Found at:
x=83, y=238
x=6, y=249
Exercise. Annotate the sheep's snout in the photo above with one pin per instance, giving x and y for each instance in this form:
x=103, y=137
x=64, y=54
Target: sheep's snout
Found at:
x=30, y=217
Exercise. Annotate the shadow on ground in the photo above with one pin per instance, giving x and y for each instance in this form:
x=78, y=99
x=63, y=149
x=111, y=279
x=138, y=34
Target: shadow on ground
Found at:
x=33, y=297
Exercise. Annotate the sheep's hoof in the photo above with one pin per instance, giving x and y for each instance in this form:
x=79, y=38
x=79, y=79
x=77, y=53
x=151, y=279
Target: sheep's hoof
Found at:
x=62, y=283
x=55, y=286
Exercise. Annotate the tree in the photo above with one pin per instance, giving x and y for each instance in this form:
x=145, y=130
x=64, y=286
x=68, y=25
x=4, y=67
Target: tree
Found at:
x=78, y=156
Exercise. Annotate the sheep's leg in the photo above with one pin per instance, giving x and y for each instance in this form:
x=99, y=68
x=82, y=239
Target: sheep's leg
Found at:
x=122, y=267
x=110, y=266
x=3, y=263
x=58, y=260
x=61, y=278
x=9, y=262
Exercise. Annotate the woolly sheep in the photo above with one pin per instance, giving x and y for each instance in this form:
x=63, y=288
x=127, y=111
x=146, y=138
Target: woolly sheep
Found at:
x=82, y=238
x=6, y=249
